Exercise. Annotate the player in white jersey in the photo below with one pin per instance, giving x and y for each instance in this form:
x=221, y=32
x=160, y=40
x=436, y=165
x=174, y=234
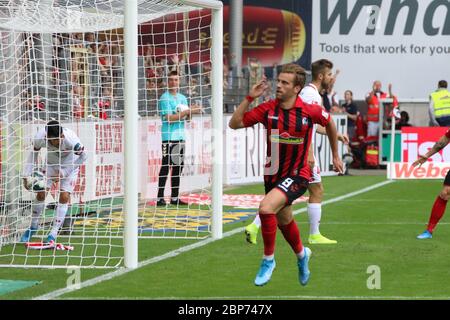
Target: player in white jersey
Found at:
x=65, y=154
x=322, y=78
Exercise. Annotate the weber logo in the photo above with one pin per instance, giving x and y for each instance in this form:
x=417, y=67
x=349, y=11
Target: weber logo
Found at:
x=429, y=170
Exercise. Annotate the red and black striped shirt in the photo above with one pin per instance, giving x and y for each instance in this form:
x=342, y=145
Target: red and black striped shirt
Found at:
x=289, y=132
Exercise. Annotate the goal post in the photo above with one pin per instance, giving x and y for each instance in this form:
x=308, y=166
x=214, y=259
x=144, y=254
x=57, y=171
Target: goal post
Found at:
x=131, y=134
x=100, y=68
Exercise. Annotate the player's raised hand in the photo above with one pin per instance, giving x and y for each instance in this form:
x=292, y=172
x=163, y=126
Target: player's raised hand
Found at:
x=419, y=162
x=259, y=88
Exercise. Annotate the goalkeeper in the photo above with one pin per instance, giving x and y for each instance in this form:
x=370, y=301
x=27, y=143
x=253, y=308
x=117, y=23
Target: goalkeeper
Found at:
x=65, y=154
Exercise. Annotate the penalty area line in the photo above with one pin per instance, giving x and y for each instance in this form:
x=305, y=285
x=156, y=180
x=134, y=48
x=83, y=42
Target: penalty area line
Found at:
x=108, y=276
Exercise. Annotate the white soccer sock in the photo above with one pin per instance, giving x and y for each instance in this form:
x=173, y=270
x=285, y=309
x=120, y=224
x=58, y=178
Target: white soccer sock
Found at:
x=314, y=213
x=37, y=208
x=61, y=212
x=257, y=221
x=301, y=254
x=270, y=258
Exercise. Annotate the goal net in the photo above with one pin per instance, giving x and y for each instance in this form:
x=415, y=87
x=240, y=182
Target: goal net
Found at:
x=64, y=61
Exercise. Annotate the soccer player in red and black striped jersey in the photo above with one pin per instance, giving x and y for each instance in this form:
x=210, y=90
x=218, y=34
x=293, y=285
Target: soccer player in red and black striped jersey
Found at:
x=289, y=123
x=438, y=210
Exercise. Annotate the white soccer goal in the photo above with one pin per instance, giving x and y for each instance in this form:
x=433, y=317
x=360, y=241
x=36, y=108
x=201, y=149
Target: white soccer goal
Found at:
x=99, y=67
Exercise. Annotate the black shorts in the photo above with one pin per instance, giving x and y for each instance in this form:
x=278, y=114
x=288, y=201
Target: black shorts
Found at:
x=447, y=179
x=293, y=187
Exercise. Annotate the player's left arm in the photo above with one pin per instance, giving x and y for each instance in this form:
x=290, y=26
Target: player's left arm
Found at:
x=79, y=150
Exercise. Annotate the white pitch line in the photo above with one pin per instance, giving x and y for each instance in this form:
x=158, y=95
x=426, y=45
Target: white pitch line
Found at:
x=349, y=195
x=272, y=298
x=376, y=223
x=176, y=252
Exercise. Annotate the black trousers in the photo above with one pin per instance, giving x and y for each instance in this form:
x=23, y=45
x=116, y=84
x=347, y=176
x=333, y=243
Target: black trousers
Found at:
x=172, y=158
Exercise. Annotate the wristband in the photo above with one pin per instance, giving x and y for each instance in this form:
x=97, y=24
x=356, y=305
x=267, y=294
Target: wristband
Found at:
x=249, y=99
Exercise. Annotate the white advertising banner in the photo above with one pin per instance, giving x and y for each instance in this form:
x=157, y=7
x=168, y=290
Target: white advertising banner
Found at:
x=102, y=176
x=429, y=170
x=197, y=161
x=245, y=152
x=393, y=41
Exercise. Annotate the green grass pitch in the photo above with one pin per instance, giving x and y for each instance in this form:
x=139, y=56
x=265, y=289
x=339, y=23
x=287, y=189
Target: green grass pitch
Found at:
x=376, y=228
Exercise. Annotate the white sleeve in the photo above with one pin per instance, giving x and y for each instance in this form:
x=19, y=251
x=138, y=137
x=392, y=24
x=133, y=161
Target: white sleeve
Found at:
x=310, y=96
x=73, y=143
x=33, y=156
x=30, y=162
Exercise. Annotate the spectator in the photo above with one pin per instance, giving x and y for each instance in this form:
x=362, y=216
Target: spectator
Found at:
x=404, y=121
x=35, y=106
x=193, y=87
x=104, y=103
x=104, y=60
x=352, y=112
x=226, y=72
x=373, y=114
x=152, y=97
x=439, y=109
x=89, y=41
x=149, y=60
x=78, y=102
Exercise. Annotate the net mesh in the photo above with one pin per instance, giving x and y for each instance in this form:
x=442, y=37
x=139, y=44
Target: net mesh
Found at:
x=64, y=61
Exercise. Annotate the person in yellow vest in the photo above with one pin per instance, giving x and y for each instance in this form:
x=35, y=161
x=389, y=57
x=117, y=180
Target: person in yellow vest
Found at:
x=440, y=105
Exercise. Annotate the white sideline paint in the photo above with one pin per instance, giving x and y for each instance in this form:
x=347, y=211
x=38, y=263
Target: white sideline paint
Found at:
x=274, y=298
x=176, y=252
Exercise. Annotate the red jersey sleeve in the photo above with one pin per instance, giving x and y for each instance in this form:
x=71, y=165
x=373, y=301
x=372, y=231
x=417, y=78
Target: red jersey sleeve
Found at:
x=256, y=115
x=447, y=134
x=319, y=115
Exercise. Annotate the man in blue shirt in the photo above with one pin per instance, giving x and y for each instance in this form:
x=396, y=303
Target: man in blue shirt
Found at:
x=174, y=110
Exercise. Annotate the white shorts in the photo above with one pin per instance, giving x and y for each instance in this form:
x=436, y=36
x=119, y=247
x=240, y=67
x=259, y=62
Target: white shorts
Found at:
x=65, y=184
x=315, y=176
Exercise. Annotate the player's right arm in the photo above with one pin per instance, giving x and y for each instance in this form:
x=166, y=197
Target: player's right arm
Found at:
x=237, y=120
x=32, y=159
x=441, y=144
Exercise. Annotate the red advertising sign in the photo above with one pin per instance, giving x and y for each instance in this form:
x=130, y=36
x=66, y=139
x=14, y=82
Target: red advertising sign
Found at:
x=418, y=140
x=272, y=36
